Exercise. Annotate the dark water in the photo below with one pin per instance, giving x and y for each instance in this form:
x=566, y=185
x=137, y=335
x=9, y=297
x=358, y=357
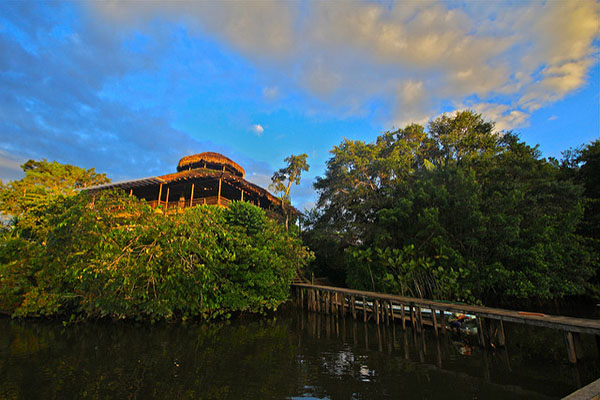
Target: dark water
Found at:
x=289, y=355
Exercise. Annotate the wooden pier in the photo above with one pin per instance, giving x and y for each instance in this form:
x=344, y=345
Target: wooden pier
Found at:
x=417, y=313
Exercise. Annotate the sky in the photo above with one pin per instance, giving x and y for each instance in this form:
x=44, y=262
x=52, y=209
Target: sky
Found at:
x=129, y=88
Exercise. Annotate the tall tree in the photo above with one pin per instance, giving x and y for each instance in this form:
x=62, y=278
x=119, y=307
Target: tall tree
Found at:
x=457, y=211
x=45, y=179
x=283, y=179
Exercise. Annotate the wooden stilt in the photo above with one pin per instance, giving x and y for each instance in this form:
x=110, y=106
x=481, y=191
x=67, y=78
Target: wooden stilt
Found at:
x=412, y=315
x=192, y=196
x=419, y=320
x=501, y=336
x=376, y=310
x=167, y=201
x=578, y=345
x=443, y=322
x=353, y=306
x=219, y=193
x=159, y=194
x=402, y=316
x=571, y=353
x=392, y=312
x=364, y=309
x=434, y=320
x=480, y=331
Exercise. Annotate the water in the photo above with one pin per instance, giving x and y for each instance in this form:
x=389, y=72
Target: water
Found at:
x=289, y=355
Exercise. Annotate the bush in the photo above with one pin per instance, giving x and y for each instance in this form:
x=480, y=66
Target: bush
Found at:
x=116, y=257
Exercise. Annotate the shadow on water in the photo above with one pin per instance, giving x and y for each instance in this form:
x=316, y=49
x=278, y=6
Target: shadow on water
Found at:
x=294, y=354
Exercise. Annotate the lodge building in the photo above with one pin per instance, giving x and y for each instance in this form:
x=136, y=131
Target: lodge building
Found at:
x=205, y=178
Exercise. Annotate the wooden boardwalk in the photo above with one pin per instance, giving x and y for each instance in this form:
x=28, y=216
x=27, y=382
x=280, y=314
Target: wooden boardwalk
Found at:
x=384, y=308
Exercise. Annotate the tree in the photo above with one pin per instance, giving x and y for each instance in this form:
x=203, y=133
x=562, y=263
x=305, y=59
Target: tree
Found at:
x=283, y=179
x=43, y=180
x=458, y=211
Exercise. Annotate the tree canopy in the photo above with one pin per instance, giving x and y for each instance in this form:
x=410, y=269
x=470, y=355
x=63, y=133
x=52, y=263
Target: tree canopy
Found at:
x=283, y=179
x=457, y=211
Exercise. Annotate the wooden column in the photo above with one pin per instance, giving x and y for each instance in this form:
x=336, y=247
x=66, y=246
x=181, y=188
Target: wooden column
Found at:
x=501, y=337
x=159, y=194
x=131, y=192
x=480, y=331
x=192, y=195
x=167, y=201
x=219, y=193
x=402, y=316
x=242, y=197
x=570, y=347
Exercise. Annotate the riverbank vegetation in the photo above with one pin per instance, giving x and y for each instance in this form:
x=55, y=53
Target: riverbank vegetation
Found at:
x=76, y=256
x=458, y=212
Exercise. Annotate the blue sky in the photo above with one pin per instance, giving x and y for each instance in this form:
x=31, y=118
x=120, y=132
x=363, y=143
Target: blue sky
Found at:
x=131, y=87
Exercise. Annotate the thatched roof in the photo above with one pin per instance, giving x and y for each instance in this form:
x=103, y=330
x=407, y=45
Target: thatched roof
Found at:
x=210, y=160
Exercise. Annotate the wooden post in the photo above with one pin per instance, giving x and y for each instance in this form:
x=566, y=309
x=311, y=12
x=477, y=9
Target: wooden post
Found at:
x=302, y=297
x=389, y=312
x=578, y=345
x=219, y=193
x=167, y=201
x=572, y=354
x=159, y=194
x=412, y=315
x=242, y=198
x=192, y=196
x=392, y=312
x=480, y=331
x=443, y=322
x=419, y=319
x=376, y=310
x=353, y=306
x=364, y=309
x=131, y=192
x=501, y=337
x=434, y=320
x=402, y=316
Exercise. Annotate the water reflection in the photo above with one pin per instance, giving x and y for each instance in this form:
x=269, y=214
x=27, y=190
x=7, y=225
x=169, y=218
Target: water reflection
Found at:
x=294, y=354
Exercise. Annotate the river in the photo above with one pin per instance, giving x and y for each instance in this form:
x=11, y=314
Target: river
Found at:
x=291, y=354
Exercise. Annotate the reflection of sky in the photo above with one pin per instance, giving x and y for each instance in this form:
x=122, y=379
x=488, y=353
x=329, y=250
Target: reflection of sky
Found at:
x=130, y=88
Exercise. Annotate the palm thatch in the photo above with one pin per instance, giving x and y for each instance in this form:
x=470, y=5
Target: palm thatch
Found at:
x=210, y=160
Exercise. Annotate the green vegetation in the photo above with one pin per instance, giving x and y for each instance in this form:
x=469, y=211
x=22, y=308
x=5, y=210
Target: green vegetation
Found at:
x=80, y=257
x=283, y=179
x=457, y=212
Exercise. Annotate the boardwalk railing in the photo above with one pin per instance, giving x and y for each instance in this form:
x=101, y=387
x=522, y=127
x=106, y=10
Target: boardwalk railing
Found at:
x=386, y=308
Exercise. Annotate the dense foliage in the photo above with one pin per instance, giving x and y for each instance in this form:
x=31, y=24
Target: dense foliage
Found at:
x=113, y=256
x=455, y=212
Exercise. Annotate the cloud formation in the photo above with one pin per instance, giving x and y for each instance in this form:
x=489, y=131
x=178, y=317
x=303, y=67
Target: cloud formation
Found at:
x=416, y=57
x=258, y=130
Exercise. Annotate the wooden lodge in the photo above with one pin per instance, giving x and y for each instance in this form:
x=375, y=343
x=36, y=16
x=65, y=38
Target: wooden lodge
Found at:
x=205, y=178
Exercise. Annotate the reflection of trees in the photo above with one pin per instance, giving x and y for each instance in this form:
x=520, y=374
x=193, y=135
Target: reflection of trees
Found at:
x=370, y=362
x=104, y=360
x=279, y=358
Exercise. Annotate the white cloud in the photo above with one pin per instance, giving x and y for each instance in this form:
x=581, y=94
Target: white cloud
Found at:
x=258, y=129
x=414, y=57
x=270, y=92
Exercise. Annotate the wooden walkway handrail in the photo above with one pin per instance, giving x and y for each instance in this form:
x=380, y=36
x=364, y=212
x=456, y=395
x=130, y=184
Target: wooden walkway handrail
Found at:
x=571, y=324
